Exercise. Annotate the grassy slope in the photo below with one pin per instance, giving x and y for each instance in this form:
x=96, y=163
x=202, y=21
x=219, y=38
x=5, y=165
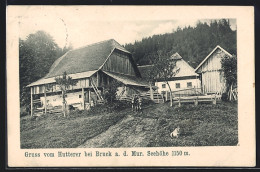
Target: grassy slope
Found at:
x=204, y=125
x=55, y=131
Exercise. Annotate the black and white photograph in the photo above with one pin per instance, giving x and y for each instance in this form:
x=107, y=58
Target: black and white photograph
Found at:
x=91, y=81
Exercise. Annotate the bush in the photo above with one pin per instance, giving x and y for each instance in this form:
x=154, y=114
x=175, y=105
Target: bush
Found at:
x=23, y=114
x=118, y=105
x=224, y=97
x=102, y=108
x=147, y=102
x=110, y=91
x=24, y=111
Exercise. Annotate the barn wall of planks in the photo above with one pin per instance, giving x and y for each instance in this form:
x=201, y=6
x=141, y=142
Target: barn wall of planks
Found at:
x=119, y=63
x=212, y=79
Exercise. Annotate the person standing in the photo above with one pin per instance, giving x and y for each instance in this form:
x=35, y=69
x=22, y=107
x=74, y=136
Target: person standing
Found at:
x=133, y=103
x=139, y=103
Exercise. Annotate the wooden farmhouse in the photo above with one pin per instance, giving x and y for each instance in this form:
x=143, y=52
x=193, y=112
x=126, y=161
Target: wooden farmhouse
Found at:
x=93, y=67
x=211, y=74
x=182, y=82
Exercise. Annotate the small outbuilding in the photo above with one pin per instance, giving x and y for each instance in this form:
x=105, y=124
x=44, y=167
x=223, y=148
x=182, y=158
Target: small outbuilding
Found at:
x=211, y=73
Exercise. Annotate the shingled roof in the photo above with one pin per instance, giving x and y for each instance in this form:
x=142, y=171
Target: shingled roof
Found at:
x=128, y=80
x=184, y=68
x=84, y=59
x=144, y=70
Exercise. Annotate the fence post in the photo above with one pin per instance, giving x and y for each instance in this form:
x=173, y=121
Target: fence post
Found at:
x=215, y=100
x=179, y=101
x=151, y=91
x=31, y=101
x=45, y=100
x=83, y=97
x=196, y=101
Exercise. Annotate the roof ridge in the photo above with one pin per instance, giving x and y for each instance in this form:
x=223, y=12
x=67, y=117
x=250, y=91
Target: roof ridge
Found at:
x=83, y=59
x=218, y=46
x=96, y=43
x=146, y=65
x=176, y=54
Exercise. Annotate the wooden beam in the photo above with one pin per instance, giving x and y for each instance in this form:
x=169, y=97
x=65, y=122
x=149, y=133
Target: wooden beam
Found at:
x=45, y=100
x=97, y=79
x=179, y=101
x=151, y=91
x=89, y=97
x=31, y=101
x=83, y=98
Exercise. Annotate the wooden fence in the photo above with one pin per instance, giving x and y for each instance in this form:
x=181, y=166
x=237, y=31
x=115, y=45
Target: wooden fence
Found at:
x=183, y=93
x=197, y=99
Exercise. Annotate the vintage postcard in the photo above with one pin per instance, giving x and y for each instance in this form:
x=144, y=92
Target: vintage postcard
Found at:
x=135, y=86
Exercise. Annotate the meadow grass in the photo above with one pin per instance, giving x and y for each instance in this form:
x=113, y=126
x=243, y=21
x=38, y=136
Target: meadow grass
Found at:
x=203, y=125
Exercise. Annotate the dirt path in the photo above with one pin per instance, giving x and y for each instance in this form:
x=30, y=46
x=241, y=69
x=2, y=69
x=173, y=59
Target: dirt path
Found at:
x=132, y=131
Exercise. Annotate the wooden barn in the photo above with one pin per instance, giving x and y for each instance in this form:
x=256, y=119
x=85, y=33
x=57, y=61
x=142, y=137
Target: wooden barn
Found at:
x=93, y=67
x=185, y=82
x=211, y=74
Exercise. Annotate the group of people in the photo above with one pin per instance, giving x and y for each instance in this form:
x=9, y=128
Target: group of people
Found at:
x=136, y=103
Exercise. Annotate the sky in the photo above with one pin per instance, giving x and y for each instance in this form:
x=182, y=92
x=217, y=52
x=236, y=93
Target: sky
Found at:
x=80, y=26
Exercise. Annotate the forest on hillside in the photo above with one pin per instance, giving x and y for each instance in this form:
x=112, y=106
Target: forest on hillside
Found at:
x=192, y=43
x=36, y=55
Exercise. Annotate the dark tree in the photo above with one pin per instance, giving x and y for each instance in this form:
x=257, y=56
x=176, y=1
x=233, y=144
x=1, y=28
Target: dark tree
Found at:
x=229, y=67
x=164, y=68
x=194, y=43
x=110, y=91
x=36, y=55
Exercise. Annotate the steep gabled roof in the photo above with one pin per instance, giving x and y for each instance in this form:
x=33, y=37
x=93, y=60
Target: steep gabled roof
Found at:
x=81, y=62
x=176, y=56
x=184, y=68
x=84, y=59
x=144, y=70
x=217, y=47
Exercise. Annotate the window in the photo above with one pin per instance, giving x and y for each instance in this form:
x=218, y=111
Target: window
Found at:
x=79, y=96
x=178, y=85
x=163, y=85
x=189, y=84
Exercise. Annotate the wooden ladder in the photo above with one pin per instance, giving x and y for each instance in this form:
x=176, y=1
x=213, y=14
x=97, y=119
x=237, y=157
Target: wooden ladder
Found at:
x=95, y=89
x=121, y=94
